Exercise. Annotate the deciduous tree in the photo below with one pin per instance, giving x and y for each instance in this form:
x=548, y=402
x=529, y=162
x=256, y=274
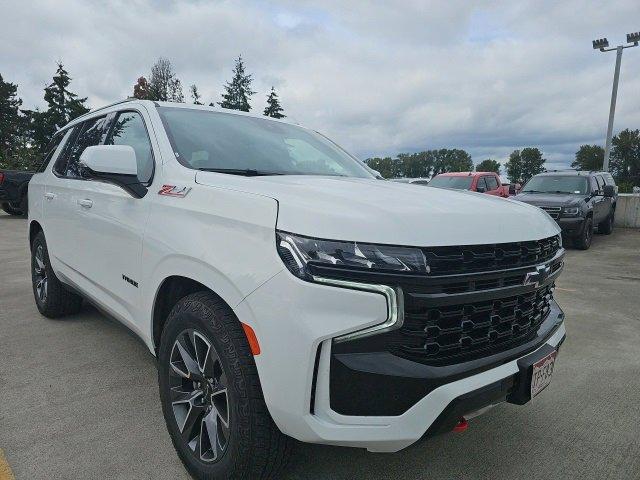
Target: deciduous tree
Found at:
x=164, y=86
x=589, y=157
x=141, y=89
x=488, y=165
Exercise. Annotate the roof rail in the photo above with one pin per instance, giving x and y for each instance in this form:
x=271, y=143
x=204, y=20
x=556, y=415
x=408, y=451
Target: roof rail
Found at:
x=128, y=99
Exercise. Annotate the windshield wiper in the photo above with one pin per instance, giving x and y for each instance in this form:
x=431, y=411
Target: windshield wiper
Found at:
x=246, y=172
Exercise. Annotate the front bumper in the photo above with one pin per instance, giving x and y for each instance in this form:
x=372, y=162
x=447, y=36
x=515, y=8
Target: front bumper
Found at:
x=295, y=322
x=571, y=226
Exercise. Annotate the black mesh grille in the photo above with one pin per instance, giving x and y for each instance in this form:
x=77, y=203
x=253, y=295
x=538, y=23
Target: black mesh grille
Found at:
x=478, y=258
x=454, y=333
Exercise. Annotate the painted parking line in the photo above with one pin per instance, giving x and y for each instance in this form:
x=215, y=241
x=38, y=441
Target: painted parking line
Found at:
x=5, y=469
x=565, y=290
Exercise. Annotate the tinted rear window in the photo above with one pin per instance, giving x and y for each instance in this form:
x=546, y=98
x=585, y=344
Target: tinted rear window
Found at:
x=460, y=183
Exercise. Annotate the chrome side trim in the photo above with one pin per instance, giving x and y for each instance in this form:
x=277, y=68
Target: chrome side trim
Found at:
x=395, y=309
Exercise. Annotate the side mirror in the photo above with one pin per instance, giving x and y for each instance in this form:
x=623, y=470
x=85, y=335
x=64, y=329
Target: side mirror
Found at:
x=481, y=189
x=512, y=189
x=609, y=191
x=114, y=164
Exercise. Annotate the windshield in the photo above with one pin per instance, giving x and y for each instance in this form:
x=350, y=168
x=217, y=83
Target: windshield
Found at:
x=228, y=143
x=461, y=183
x=557, y=184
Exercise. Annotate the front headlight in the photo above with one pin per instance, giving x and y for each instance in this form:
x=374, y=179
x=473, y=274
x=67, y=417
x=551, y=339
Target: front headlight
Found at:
x=571, y=211
x=300, y=254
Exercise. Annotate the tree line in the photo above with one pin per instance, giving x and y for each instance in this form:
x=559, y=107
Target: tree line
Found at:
x=522, y=164
x=164, y=85
x=24, y=133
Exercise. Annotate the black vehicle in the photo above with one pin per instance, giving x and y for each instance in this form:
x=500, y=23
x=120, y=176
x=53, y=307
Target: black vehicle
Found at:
x=13, y=191
x=579, y=201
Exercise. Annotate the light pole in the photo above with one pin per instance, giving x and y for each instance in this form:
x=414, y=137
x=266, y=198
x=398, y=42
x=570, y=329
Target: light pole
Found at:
x=602, y=44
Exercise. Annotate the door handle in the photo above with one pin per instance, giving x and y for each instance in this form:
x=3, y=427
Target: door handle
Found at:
x=49, y=196
x=86, y=203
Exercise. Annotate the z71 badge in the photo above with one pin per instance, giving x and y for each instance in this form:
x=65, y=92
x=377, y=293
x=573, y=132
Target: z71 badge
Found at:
x=174, y=191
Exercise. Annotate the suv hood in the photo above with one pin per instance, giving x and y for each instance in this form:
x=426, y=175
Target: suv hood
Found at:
x=379, y=211
x=550, y=199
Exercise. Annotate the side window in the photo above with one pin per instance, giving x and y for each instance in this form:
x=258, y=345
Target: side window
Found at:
x=608, y=179
x=54, y=145
x=600, y=182
x=492, y=183
x=89, y=134
x=481, y=184
x=129, y=129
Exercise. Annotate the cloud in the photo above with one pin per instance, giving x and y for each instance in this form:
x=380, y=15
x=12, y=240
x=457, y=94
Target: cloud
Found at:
x=379, y=77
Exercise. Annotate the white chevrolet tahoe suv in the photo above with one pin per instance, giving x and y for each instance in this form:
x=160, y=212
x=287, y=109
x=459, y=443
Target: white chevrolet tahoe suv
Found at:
x=285, y=291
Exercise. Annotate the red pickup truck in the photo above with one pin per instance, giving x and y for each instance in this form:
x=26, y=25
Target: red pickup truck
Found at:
x=482, y=182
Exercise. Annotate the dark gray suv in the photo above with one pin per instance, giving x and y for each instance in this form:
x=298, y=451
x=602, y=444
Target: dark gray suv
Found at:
x=579, y=201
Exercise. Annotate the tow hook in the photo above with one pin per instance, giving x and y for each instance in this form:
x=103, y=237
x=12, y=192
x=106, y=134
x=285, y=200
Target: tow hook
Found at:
x=462, y=425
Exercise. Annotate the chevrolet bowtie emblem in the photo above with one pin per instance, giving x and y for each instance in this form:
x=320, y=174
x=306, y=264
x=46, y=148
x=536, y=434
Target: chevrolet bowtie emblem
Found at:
x=541, y=273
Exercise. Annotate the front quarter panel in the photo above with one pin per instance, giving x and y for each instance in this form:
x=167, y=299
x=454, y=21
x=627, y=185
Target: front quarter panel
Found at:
x=219, y=237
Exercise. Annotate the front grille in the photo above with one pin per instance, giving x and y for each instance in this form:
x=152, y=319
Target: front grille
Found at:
x=453, y=333
x=479, y=258
x=554, y=212
x=475, y=301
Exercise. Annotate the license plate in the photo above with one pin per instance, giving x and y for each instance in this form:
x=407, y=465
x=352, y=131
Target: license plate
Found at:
x=542, y=371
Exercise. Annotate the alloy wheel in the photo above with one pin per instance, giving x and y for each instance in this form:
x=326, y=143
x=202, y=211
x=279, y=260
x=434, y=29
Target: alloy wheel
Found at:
x=199, y=395
x=40, y=275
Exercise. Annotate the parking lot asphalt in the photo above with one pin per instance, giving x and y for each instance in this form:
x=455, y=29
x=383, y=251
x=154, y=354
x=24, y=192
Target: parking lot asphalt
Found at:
x=79, y=399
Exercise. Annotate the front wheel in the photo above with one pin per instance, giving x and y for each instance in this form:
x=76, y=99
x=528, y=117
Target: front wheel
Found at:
x=606, y=227
x=211, y=396
x=583, y=241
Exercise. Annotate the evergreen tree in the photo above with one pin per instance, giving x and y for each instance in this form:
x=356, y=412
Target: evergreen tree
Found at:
x=164, y=86
x=195, y=95
x=589, y=157
x=9, y=119
x=273, y=108
x=488, y=165
x=238, y=90
x=63, y=105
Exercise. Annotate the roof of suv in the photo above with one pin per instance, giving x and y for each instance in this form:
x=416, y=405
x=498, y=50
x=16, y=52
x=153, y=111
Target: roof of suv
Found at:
x=180, y=105
x=464, y=174
x=566, y=173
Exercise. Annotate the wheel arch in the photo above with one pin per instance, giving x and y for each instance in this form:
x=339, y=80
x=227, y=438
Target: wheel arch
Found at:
x=34, y=229
x=170, y=291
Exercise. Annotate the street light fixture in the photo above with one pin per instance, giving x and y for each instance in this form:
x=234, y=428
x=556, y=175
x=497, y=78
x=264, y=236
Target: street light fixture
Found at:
x=602, y=44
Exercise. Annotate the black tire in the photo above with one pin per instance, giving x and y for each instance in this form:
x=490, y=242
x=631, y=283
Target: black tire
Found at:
x=52, y=298
x=251, y=446
x=7, y=207
x=606, y=227
x=583, y=241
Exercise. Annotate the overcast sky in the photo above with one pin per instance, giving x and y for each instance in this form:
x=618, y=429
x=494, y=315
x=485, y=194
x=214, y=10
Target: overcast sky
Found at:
x=379, y=77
